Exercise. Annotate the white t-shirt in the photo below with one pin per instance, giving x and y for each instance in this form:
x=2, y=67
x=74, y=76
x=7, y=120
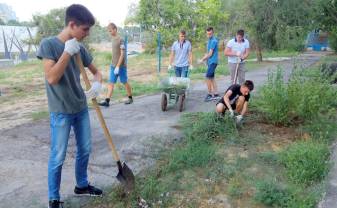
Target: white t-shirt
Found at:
x=236, y=46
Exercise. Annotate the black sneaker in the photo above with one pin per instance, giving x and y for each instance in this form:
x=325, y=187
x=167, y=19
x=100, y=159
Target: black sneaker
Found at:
x=55, y=204
x=104, y=103
x=208, y=98
x=129, y=101
x=88, y=191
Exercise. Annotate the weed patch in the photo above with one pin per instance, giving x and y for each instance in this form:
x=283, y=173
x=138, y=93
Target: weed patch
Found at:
x=306, y=162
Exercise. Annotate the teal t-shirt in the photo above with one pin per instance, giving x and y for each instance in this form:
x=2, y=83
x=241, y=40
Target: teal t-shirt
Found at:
x=67, y=96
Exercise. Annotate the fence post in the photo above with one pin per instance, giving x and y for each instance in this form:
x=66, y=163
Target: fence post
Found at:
x=159, y=51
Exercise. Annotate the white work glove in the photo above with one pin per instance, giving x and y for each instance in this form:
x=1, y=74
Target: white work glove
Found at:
x=72, y=46
x=170, y=67
x=191, y=67
x=200, y=61
x=94, y=91
x=239, y=119
x=231, y=113
x=116, y=71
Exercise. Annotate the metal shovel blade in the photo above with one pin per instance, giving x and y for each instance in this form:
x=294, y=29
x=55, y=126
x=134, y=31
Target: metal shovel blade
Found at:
x=125, y=177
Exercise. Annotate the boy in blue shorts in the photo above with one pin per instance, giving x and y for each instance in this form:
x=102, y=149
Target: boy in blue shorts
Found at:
x=212, y=62
x=117, y=67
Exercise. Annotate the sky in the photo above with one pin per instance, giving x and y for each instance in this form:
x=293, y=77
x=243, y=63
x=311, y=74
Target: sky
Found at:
x=105, y=11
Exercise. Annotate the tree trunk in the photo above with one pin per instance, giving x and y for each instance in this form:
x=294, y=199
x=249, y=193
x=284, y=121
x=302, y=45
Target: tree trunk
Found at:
x=258, y=52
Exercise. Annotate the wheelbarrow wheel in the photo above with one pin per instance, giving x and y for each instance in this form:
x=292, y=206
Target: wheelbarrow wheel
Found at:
x=163, y=102
x=181, y=102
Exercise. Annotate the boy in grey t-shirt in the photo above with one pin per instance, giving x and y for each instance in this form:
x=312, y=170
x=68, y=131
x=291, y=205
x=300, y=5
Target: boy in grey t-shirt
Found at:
x=67, y=101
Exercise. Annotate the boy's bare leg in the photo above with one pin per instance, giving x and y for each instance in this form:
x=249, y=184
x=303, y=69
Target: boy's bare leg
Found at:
x=110, y=90
x=209, y=86
x=220, y=108
x=106, y=102
x=128, y=89
x=214, y=87
x=239, y=104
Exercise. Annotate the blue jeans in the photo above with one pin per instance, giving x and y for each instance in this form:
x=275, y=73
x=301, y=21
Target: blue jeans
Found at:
x=60, y=125
x=181, y=71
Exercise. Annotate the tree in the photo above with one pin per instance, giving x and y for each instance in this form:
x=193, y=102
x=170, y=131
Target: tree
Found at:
x=170, y=16
x=2, y=22
x=50, y=24
x=276, y=24
x=13, y=23
x=326, y=16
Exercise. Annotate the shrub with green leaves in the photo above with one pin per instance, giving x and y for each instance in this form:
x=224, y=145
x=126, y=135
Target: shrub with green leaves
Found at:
x=309, y=93
x=306, y=162
x=303, y=97
x=273, y=101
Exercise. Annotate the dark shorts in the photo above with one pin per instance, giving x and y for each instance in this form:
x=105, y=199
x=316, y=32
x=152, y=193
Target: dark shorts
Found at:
x=223, y=102
x=211, y=71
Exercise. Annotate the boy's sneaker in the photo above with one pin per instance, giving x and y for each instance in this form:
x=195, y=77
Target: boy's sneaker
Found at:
x=104, y=103
x=88, y=191
x=216, y=97
x=129, y=101
x=208, y=98
x=55, y=204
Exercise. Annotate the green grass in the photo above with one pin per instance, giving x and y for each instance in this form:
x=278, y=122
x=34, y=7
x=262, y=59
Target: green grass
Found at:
x=212, y=149
x=306, y=162
x=39, y=115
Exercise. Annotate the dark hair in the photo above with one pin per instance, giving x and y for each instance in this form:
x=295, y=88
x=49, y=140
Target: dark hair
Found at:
x=183, y=32
x=209, y=29
x=112, y=25
x=249, y=84
x=80, y=15
x=240, y=32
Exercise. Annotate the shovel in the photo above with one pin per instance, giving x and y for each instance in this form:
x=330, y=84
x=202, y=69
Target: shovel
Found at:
x=125, y=175
x=236, y=71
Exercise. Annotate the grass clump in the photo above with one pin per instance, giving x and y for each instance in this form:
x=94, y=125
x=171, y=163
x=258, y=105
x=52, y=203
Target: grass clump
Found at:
x=272, y=194
x=306, y=162
x=194, y=154
x=208, y=127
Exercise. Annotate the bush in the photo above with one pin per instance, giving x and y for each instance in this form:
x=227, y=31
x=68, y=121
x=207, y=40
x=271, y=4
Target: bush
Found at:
x=333, y=39
x=303, y=97
x=306, y=162
x=309, y=94
x=274, y=98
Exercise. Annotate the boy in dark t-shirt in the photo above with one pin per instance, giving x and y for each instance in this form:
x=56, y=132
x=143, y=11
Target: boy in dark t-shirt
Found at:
x=236, y=98
x=67, y=101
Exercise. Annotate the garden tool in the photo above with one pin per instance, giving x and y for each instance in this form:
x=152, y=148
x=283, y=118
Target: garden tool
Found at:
x=236, y=71
x=125, y=175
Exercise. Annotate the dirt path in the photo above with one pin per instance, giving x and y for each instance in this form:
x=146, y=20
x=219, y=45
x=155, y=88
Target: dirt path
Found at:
x=138, y=131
